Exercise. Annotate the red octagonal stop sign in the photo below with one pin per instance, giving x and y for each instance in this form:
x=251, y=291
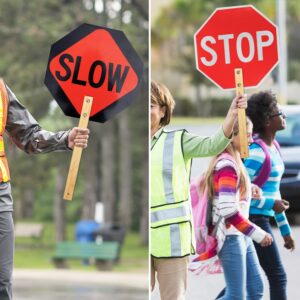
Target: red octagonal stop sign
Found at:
x=236, y=37
x=94, y=61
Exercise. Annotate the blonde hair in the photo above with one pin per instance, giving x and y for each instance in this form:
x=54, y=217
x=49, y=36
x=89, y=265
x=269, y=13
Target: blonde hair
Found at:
x=161, y=95
x=242, y=173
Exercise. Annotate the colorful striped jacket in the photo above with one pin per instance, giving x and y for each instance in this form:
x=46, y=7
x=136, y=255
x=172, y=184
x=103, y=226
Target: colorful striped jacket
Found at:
x=228, y=204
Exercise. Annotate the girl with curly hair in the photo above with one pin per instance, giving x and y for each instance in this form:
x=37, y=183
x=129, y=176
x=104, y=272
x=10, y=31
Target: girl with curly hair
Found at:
x=267, y=119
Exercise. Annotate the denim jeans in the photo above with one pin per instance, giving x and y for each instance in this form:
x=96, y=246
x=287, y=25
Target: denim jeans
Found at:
x=241, y=269
x=270, y=261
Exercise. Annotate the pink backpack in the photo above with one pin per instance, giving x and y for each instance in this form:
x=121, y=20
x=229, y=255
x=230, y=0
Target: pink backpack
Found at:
x=205, y=231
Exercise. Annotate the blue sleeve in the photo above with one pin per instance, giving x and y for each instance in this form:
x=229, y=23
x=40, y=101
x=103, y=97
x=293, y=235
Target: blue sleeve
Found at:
x=263, y=203
x=283, y=224
x=253, y=164
x=254, y=161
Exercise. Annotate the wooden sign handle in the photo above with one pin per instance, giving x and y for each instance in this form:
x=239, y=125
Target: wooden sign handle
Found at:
x=239, y=86
x=76, y=155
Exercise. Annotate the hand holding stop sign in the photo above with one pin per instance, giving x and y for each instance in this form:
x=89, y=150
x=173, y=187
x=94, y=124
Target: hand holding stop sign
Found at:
x=239, y=102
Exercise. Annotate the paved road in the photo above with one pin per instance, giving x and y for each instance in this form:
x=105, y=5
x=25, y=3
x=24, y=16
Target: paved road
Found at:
x=208, y=287
x=79, y=285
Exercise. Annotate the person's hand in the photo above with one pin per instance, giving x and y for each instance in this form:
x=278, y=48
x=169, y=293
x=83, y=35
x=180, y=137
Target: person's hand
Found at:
x=280, y=206
x=78, y=137
x=256, y=192
x=237, y=102
x=267, y=241
x=289, y=242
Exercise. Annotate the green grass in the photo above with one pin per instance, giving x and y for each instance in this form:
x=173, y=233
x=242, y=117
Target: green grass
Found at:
x=196, y=121
x=133, y=254
x=36, y=254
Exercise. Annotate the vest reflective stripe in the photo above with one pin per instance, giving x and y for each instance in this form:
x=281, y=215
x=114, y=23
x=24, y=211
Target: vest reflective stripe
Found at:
x=170, y=215
x=2, y=152
x=4, y=170
x=5, y=176
x=168, y=165
x=1, y=113
x=175, y=240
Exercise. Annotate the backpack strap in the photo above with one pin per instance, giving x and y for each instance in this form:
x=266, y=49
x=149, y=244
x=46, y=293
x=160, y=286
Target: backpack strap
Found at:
x=265, y=170
x=214, y=232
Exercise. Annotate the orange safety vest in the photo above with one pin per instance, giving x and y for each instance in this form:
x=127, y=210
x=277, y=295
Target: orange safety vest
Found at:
x=4, y=170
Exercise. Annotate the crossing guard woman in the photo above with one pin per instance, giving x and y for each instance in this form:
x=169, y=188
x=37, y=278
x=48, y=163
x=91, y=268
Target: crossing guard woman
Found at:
x=171, y=154
x=26, y=133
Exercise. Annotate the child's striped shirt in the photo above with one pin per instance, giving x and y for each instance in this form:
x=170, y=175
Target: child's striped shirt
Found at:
x=227, y=204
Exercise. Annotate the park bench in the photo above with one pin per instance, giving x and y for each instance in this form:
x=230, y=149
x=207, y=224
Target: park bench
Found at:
x=29, y=230
x=104, y=254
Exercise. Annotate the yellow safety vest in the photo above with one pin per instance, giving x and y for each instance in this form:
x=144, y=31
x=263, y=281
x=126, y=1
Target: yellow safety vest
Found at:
x=171, y=226
x=4, y=170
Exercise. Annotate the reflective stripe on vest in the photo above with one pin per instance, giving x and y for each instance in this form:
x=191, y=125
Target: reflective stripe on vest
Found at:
x=2, y=151
x=168, y=165
x=1, y=113
x=170, y=214
x=173, y=240
x=5, y=175
x=4, y=171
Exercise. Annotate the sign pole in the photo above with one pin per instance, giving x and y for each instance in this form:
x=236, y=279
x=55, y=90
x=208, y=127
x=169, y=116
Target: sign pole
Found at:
x=76, y=155
x=239, y=85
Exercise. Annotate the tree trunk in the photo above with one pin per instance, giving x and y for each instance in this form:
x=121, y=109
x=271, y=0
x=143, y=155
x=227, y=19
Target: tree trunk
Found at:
x=27, y=204
x=108, y=192
x=59, y=205
x=199, y=102
x=125, y=172
x=90, y=178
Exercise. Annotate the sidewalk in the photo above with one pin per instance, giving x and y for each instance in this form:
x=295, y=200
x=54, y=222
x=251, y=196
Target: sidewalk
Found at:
x=126, y=280
x=79, y=285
